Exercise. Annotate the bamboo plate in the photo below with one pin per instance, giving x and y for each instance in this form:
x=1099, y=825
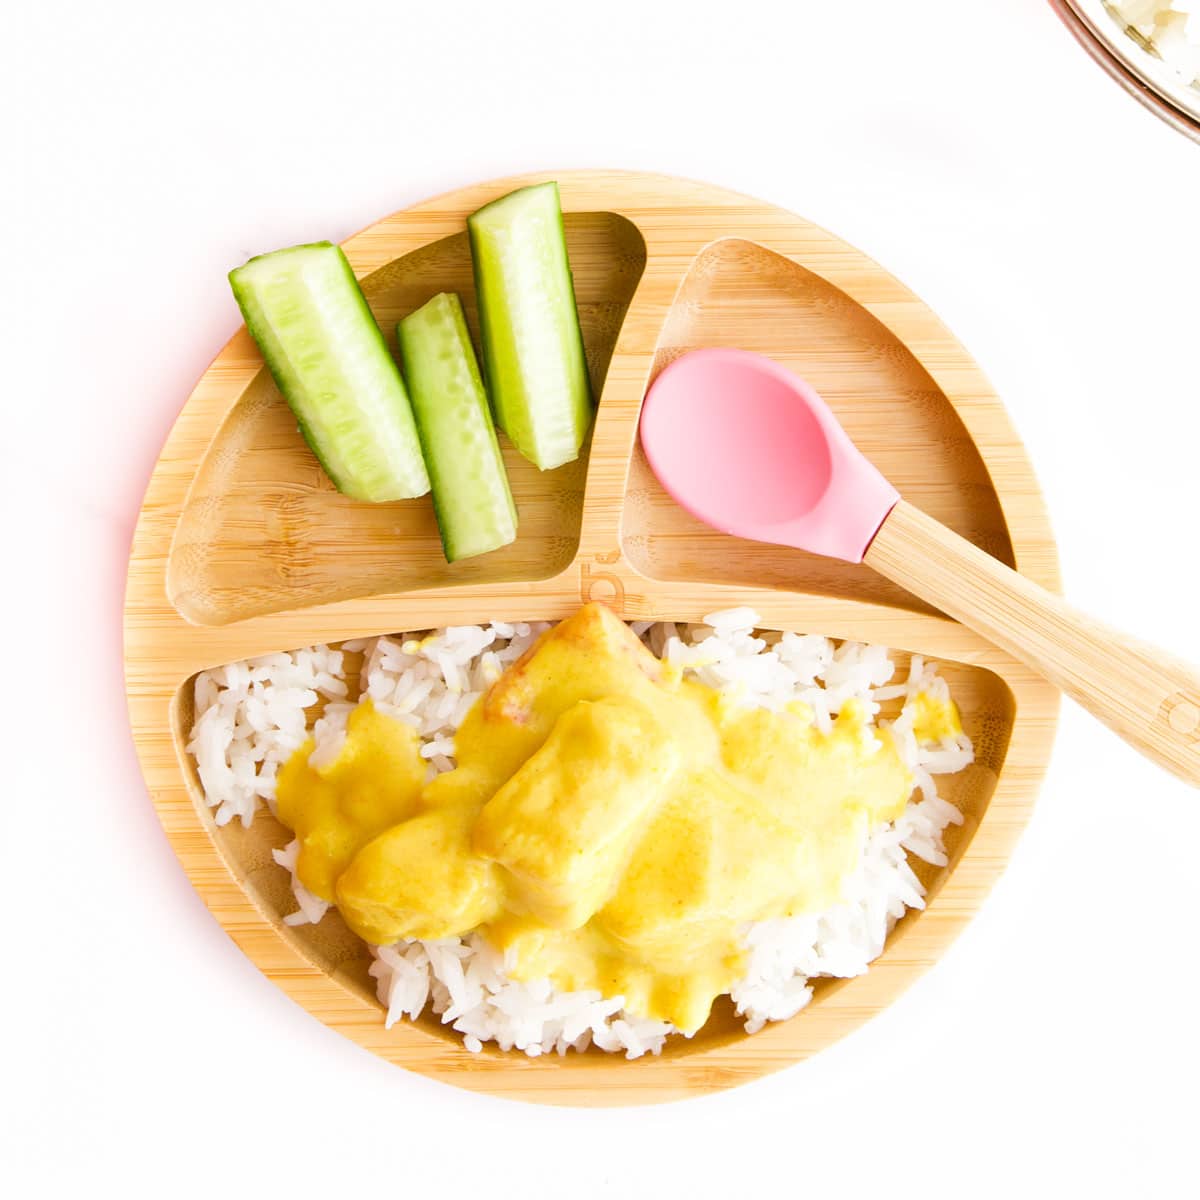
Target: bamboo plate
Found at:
x=243, y=548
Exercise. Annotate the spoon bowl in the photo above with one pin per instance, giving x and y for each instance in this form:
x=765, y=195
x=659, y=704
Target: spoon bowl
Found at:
x=749, y=448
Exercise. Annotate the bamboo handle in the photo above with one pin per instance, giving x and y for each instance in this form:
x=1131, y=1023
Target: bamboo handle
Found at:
x=1144, y=695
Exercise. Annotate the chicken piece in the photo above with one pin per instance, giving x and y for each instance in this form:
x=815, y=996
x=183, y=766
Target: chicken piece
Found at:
x=335, y=809
x=420, y=879
x=564, y=825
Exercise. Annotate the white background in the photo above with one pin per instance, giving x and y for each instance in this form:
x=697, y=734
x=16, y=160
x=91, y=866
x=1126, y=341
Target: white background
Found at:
x=968, y=145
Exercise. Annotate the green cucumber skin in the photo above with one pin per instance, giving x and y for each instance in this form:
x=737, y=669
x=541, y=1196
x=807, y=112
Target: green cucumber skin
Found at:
x=373, y=471
x=471, y=495
x=543, y=405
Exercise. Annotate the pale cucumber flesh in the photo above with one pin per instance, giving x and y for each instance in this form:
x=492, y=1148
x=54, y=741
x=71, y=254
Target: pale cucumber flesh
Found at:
x=305, y=309
x=532, y=345
x=471, y=496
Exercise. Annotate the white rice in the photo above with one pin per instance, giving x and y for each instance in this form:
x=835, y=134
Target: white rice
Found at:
x=252, y=716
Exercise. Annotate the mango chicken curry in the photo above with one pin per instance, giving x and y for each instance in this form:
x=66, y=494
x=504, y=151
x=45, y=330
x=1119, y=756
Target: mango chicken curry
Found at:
x=609, y=825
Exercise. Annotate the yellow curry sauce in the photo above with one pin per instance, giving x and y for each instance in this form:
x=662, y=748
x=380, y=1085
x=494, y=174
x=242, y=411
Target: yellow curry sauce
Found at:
x=935, y=718
x=609, y=825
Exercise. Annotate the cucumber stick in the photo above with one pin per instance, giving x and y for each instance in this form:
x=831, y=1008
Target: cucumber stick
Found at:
x=532, y=346
x=304, y=308
x=471, y=496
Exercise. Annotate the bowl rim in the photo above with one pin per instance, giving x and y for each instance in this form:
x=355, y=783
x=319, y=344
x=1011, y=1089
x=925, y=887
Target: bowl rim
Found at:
x=1150, y=92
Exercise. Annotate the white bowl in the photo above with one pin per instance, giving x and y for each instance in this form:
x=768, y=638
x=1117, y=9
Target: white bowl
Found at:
x=1133, y=61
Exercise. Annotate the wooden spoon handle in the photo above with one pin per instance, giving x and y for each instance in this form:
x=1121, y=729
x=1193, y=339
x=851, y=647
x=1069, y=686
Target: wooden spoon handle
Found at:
x=1141, y=693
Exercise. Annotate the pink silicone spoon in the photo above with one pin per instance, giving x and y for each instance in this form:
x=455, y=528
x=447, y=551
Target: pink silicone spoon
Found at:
x=749, y=448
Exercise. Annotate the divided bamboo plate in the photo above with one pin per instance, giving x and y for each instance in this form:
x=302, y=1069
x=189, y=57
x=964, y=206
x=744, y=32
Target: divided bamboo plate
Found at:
x=243, y=548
